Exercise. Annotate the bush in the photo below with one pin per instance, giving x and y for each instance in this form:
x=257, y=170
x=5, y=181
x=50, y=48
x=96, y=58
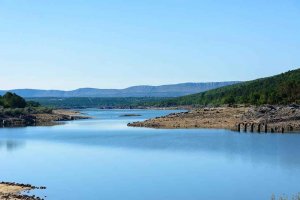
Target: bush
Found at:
x=33, y=104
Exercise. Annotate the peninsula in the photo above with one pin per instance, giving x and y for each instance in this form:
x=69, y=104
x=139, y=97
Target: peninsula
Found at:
x=16, y=111
x=263, y=105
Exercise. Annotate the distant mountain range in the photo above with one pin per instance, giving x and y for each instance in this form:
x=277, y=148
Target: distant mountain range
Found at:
x=174, y=90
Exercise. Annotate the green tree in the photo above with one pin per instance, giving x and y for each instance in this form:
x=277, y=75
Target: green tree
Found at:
x=229, y=100
x=1, y=101
x=32, y=104
x=280, y=89
x=11, y=100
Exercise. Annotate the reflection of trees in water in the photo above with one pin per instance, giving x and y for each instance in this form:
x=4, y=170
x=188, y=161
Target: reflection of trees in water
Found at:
x=11, y=145
x=273, y=149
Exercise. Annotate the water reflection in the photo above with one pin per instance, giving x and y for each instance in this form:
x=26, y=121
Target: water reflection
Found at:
x=269, y=148
x=108, y=129
x=11, y=145
x=142, y=163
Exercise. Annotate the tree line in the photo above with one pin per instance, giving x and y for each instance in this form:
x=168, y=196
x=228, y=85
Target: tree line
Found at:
x=280, y=89
x=12, y=100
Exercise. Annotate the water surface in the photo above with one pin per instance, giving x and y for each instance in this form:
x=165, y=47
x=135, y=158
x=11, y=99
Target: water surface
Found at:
x=102, y=158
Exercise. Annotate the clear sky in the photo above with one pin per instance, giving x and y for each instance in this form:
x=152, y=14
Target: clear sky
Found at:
x=67, y=44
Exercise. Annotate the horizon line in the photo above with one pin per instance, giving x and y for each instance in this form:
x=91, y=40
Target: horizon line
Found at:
x=67, y=90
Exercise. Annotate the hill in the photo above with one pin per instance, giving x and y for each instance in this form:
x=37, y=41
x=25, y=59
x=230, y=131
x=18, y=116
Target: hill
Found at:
x=280, y=89
x=174, y=90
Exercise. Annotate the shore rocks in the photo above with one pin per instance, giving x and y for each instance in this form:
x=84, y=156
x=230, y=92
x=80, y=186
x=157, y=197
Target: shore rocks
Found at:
x=268, y=118
x=12, y=191
x=40, y=119
x=22, y=120
x=279, y=119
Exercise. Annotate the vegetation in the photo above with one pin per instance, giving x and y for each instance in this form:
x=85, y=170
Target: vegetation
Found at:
x=280, y=89
x=14, y=105
x=11, y=100
x=12, y=112
x=85, y=102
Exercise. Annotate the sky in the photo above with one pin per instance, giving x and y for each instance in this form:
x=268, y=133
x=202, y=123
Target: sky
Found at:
x=69, y=44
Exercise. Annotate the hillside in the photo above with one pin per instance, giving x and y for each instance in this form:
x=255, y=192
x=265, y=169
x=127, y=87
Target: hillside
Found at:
x=280, y=89
x=174, y=90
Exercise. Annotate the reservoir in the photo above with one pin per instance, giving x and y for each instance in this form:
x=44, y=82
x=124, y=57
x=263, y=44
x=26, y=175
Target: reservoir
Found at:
x=102, y=158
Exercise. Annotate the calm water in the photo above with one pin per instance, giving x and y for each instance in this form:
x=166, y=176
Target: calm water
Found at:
x=102, y=158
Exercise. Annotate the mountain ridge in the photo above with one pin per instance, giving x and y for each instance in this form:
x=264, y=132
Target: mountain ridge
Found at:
x=171, y=90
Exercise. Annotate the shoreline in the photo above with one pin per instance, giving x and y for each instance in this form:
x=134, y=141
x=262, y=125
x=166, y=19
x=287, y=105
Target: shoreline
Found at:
x=131, y=108
x=280, y=119
x=41, y=119
x=13, y=191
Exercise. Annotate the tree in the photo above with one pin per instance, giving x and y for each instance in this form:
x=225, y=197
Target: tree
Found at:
x=33, y=104
x=229, y=100
x=11, y=100
x=1, y=101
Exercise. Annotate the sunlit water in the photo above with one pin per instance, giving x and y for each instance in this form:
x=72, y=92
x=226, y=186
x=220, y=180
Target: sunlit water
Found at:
x=102, y=158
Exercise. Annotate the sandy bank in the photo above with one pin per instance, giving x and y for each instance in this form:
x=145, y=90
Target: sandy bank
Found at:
x=59, y=115
x=13, y=191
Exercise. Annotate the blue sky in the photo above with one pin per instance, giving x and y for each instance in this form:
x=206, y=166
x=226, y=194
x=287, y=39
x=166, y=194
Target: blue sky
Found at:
x=67, y=44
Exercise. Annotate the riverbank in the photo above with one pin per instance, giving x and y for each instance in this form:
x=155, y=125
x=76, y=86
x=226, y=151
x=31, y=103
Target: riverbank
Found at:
x=262, y=119
x=13, y=191
x=51, y=117
x=59, y=115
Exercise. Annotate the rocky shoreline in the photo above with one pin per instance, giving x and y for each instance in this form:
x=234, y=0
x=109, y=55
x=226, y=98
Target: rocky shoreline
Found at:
x=13, y=191
x=267, y=118
x=41, y=119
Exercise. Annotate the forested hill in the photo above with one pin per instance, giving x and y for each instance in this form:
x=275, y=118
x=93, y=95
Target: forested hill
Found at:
x=279, y=89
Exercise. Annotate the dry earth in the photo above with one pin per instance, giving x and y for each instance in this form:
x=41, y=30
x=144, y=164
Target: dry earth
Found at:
x=59, y=115
x=13, y=191
x=199, y=118
x=276, y=118
x=41, y=119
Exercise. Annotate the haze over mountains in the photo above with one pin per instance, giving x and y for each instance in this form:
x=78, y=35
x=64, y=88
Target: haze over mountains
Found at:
x=174, y=90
